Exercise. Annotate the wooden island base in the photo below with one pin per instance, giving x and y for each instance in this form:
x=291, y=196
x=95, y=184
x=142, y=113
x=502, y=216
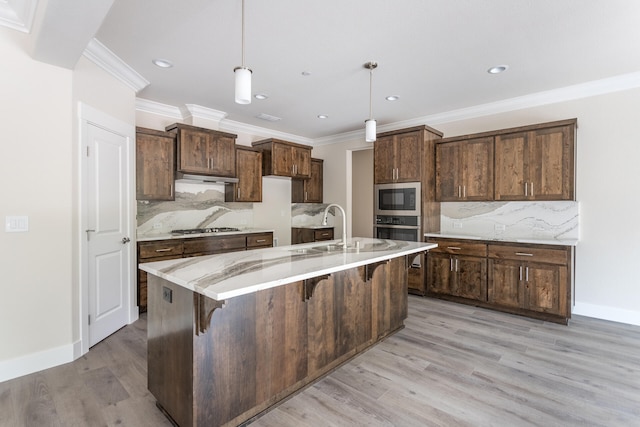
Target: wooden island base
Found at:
x=218, y=363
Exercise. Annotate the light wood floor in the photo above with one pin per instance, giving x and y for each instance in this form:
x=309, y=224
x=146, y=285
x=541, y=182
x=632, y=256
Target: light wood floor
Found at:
x=452, y=365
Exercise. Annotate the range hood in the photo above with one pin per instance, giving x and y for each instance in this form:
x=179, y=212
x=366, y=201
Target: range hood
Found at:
x=205, y=178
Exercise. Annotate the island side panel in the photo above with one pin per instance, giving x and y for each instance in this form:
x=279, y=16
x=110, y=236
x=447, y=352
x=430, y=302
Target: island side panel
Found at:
x=389, y=299
x=169, y=348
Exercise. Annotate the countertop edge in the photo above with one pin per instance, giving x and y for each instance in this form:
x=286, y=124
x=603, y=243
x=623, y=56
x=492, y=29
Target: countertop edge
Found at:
x=528, y=240
x=191, y=236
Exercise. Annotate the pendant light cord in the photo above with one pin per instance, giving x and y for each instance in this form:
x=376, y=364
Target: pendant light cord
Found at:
x=370, y=93
x=243, y=34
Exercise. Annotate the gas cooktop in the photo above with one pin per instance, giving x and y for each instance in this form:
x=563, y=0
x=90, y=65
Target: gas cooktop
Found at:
x=204, y=230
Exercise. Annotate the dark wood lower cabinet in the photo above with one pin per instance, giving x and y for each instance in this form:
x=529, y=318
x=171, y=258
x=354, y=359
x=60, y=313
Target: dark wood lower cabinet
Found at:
x=528, y=279
x=213, y=363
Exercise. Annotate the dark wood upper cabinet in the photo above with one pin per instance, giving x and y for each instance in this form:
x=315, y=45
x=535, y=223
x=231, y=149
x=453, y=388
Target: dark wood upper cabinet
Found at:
x=536, y=164
x=204, y=151
x=155, y=164
x=398, y=157
x=309, y=190
x=249, y=172
x=464, y=170
x=283, y=158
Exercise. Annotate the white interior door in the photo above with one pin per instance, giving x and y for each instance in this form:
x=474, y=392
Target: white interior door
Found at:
x=108, y=225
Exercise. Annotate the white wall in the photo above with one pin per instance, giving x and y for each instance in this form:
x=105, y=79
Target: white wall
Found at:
x=36, y=176
x=362, y=200
x=608, y=149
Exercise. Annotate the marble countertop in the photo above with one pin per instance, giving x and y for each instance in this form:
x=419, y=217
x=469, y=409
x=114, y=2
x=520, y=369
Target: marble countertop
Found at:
x=532, y=240
x=169, y=236
x=233, y=274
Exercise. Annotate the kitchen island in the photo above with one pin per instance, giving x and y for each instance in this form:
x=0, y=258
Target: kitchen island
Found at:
x=233, y=334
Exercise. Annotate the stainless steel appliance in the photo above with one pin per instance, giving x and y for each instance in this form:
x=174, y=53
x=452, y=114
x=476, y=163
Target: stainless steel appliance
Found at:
x=398, y=227
x=398, y=199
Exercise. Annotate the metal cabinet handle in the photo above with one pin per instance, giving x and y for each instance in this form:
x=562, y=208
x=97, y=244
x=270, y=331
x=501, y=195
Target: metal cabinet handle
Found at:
x=306, y=196
x=526, y=189
x=450, y=264
x=456, y=264
x=464, y=191
x=261, y=240
x=531, y=188
x=238, y=192
x=125, y=240
x=459, y=194
x=523, y=254
x=453, y=248
x=520, y=273
x=164, y=250
x=526, y=274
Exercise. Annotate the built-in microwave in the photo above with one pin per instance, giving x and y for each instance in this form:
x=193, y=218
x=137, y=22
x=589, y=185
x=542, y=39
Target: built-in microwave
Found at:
x=398, y=199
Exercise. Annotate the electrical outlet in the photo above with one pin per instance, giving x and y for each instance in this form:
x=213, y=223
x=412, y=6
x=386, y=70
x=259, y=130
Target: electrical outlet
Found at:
x=275, y=242
x=167, y=294
x=457, y=224
x=157, y=225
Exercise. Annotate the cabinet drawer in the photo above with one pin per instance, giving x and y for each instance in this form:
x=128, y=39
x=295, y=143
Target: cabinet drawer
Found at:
x=325, y=234
x=259, y=240
x=528, y=253
x=166, y=249
x=454, y=247
x=211, y=245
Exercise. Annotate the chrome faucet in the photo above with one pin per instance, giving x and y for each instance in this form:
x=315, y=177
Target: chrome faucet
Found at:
x=344, y=222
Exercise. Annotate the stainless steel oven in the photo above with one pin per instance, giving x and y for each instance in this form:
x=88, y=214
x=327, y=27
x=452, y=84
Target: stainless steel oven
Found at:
x=398, y=227
x=399, y=199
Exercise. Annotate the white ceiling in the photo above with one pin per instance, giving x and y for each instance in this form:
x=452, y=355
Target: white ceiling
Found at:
x=433, y=54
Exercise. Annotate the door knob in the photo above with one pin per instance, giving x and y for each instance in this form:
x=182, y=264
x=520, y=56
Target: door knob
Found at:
x=125, y=240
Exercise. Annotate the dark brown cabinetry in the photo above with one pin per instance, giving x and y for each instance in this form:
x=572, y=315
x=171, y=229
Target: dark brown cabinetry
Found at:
x=204, y=151
x=309, y=190
x=533, y=280
x=458, y=269
x=155, y=164
x=283, y=158
x=397, y=157
x=464, y=170
x=536, y=163
x=530, y=278
x=309, y=235
x=249, y=173
x=160, y=250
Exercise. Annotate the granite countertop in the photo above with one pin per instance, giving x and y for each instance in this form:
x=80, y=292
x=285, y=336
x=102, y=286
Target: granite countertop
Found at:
x=532, y=240
x=233, y=274
x=169, y=236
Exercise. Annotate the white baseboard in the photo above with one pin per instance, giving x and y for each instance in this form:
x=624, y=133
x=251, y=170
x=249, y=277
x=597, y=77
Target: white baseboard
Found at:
x=14, y=368
x=613, y=314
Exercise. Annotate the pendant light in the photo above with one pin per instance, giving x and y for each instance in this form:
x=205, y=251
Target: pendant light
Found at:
x=243, y=75
x=370, y=124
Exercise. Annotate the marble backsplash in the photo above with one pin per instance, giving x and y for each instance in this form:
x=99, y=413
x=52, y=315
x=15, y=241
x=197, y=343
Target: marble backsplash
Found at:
x=512, y=220
x=309, y=214
x=196, y=206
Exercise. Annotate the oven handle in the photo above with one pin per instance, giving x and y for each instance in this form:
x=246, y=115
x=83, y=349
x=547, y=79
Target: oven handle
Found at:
x=402, y=227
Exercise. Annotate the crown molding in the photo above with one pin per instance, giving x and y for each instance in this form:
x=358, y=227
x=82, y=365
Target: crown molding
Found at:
x=158, y=108
x=197, y=111
x=108, y=61
x=569, y=93
x=18, y=14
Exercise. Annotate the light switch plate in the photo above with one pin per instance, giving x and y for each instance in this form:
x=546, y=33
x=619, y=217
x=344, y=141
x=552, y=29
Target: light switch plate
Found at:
x=14, y=224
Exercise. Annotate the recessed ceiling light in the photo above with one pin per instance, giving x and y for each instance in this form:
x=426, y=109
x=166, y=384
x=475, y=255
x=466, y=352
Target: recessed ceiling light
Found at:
x=323, y=116
x=306, y=73
x=497, y=69
x=261, y=96
x=268, y=117
x=392, y=98
x=162, y=63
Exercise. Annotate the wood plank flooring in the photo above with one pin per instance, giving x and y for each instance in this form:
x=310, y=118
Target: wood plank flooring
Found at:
x=453, y=365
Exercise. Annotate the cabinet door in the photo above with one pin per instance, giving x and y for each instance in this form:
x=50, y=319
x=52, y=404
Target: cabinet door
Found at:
x=155, y=165
x=476, y=159
x=510, y=173
x=193, y=147
x=447, y=171
x=222, y=154
x=408, y=156
x=504, y=283
x=551, y=164
x=545, y=288
x=383, y=157
x=313, y=186
x=249, y=186
x=440, y=274
x=471, y=278
x=282, y=158
x=301, y=158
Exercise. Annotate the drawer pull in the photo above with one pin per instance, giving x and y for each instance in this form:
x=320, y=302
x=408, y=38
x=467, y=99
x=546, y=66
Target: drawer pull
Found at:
x=164, y=250
x=324, y=234
x=261, y=240
x=453, y=248
x=523, y=254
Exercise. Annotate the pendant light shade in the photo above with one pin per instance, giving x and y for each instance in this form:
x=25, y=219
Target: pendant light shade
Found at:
x=243, y=85
x=370, y=130
x=243, y=75
x=370, y=125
